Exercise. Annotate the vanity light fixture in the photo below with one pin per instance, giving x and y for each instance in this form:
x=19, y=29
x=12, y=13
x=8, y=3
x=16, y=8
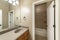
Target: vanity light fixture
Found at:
x=17, y=2
x=10, y=1
x=13, y=2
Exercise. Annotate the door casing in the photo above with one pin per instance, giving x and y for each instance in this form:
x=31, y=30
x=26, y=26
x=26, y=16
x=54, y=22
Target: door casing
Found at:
x=0, y=19
x=10, y=19
x=33, y=15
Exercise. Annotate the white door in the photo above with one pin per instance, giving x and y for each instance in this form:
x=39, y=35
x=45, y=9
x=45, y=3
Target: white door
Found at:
x=11, y=20
x=50, y=21
x=0, y=19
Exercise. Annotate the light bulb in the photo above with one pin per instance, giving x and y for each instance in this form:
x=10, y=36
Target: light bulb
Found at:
x=14, y=4
x=10, y=1
x=17, y=2
x=13, y=0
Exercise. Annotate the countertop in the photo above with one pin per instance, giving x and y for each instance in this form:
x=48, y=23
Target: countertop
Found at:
x=12, y=35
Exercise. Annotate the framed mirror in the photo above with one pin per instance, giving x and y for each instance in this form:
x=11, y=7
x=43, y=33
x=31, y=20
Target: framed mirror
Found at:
x=9, y=14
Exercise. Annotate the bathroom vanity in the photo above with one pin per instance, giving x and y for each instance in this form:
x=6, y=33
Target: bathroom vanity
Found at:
x=16, y=34
x=10, y=21
x=24, y=36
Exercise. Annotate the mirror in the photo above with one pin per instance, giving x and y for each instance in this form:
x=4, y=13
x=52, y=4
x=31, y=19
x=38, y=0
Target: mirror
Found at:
x=9, y=14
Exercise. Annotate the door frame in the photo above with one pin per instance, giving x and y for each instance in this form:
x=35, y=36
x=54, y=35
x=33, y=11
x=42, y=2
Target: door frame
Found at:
x=1, y=20
x=9, y=19
x=33, y=16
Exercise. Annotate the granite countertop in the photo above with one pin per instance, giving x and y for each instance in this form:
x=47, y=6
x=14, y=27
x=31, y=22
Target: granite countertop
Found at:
x=12, y=35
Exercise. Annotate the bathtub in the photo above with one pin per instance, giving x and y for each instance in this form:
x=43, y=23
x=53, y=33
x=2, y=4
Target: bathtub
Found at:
x=41, y=32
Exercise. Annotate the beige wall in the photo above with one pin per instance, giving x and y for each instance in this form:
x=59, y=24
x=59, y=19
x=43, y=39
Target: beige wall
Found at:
x=5, y=9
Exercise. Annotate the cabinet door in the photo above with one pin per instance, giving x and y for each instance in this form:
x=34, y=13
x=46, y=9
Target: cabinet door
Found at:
x=26, y=35
x=21, y=37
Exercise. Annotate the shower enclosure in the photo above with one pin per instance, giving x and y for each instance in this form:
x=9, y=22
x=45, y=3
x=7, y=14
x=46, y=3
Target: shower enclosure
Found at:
x=41, y=21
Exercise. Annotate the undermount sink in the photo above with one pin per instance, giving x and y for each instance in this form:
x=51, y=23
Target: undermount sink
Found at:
x=17, y=30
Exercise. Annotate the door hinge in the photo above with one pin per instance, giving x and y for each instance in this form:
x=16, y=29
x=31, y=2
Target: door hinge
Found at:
x=54, y=6
x=54, y=26
x=0, y=25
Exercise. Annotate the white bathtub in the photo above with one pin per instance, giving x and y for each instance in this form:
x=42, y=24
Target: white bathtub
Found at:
x=41, y=32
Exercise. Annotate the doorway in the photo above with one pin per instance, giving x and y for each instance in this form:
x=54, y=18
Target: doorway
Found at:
x=43, y=30
x=11, y=19
x=41, y=21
